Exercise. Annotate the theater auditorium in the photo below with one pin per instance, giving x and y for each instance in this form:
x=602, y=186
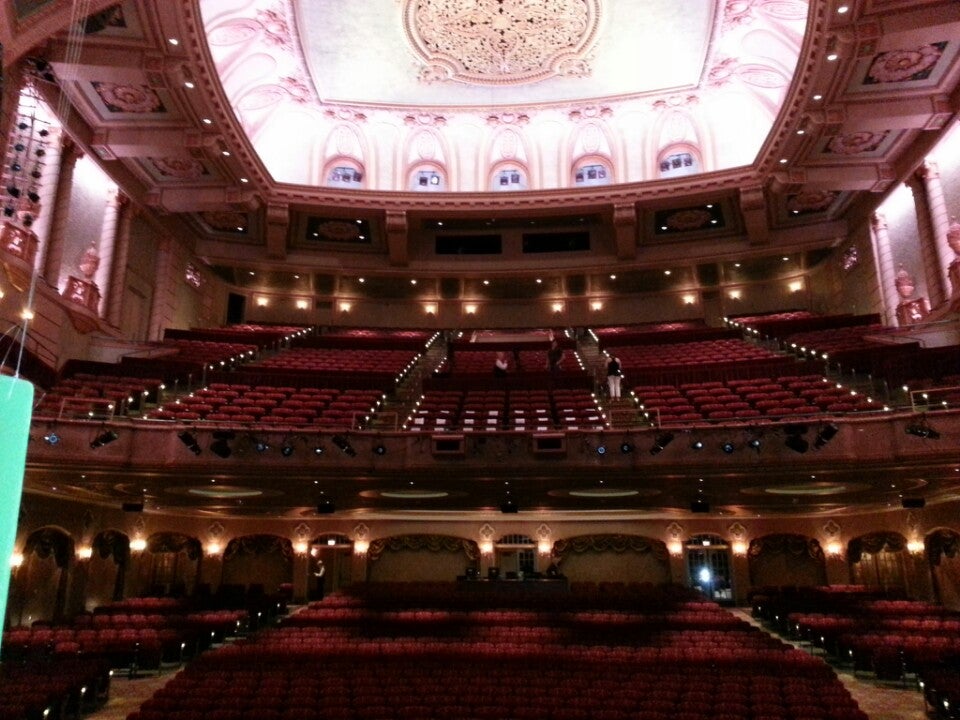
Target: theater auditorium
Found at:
x=482, y=358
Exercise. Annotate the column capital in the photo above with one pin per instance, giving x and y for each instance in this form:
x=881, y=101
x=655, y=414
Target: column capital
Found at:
x=929, y=170
x=878, y=221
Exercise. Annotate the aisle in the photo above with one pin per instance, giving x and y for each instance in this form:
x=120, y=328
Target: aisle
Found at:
x=879, y=701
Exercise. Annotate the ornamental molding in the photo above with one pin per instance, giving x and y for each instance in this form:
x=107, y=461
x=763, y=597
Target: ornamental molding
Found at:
x=501, y=42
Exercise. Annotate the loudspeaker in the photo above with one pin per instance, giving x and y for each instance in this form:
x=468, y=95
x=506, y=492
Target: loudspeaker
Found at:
x=913, y=503
x=509, y=506
x=132, y=507
x=700, y=506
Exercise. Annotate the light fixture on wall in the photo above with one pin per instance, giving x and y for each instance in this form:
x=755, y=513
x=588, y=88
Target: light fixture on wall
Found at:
x=596, y=305
x=470, y=309
x=430, y=308
x=345, y=306
x=557, y=307
x=188, y=439
x=104, y=438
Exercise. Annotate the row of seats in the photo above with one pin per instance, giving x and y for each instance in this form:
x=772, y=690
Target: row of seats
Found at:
x=481, y=362
x=83, y=393
x=753, y=398
x=340, y=360
x=691, y=354
x=35, y=689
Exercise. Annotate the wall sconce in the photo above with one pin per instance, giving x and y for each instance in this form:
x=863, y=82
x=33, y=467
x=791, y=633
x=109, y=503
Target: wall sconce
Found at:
x=301, y=548
x=795, y=286
x=138, y=545
x=360, y=547
x=84, y=552
x=915, y=547
x=557, y=307
x=470, y=309
x=594, y=305
x=16, y=560
x=27, y=314
x=213, y=548
x=544, y=547
x=430, y=308
x=734, y=295
x=834, y=549
x=262, y=302
x=302, y=304
x=345, y=307
x=739, y=547
x=689, y=299
x=486, y=547
x=675, y=548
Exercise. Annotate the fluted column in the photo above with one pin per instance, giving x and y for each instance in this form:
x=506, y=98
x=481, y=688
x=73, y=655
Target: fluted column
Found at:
x=939, y=220
x=159, y=315
x=53, y=253
x=931, y=265
x=886, y=273
x=121, y=256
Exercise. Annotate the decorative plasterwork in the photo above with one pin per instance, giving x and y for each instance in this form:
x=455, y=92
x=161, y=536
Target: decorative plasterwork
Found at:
x=494, y=42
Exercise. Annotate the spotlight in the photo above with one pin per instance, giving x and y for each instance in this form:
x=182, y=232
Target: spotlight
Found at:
x=509, y=506
x=661, y=441
x=51, y=438
x=318, y=450
x=379, y=449
x=190, y=441
x=259, y=445
x=922, y=430
x=104, y=438
x=220, y=445
x=626, y=448
x=696, y=445
x=728, y=447
x=601, y=449
x=825, y=435
x=754, y=443
x=287, y=448
x=345, y=447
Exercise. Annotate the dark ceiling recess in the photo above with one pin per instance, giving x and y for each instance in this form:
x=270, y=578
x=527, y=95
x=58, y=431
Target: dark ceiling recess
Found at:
x=708, y=275
x=699, y=218
x=449, y=288
x=551, y=242
x=576, y=284
x=323, y=284
x=489, y=244
x=486, y=224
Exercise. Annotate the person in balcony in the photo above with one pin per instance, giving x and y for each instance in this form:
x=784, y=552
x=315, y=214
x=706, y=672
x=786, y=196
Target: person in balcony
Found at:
x=614, y=375
x=500, y=365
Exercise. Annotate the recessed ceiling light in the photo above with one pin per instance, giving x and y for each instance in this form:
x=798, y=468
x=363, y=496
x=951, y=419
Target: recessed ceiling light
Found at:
x=801, y=131
x=818, y=96
x=613, y=277
x=539, y=281
x=736, y=264
x=361, y=280
x=359, y=221
x=207, y=121
x=413, y=281
x=783, y=161
x=173, y=41
x=252, y=272
x=189, y=85
x=225, y=153
x=785, y=258
x=486, y=282
x=667, y=272
x=832, y=56
x=843, y=9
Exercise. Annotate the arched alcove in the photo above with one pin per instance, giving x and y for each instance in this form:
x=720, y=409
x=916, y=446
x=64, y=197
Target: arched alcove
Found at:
x=42, y=580
x=169, y=565
x=786, y=559
x=879, y=559
x=943, y=554
x=613, y=558
x=107, y=572
x=260, y=563
x=421, y=558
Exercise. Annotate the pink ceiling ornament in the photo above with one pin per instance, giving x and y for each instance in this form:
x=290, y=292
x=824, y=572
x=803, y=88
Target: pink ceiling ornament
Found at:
x=856, y=143
x=811, y=201
x=905, y=65
x=137, y=99
x=495, y=42
x=179, y=168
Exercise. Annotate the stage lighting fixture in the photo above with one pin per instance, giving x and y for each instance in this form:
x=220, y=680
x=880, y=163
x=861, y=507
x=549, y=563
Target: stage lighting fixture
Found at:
x=379, y=449
x=220, y=445
x=318, y=450
x=287, y=448
x=825, y=435
x=51, y=438
x=601, y=449
x=797, y=443
x=922, y=430
x=259, y=445
x=755, y=443
x=509, y=506
x=660, y=442
x=187, y=438
x=626, y=448
x=728, y=447
x=104, y=438
x=345, y=447
x=696, y=445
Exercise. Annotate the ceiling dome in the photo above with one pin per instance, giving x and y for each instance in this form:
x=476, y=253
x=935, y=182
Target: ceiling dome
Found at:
x=486, y=95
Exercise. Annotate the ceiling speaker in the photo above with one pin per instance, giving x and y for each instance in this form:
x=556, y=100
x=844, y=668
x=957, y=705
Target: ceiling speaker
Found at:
x=132, y=507
x=913, y=503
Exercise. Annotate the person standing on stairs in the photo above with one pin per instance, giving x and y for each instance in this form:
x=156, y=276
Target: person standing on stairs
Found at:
x=614, y=376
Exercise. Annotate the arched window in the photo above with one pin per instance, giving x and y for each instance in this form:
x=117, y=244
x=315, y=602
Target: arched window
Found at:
x=677, y=162
x=592, y=173
x=345, y=174
x=509, y=178
x=427, y=180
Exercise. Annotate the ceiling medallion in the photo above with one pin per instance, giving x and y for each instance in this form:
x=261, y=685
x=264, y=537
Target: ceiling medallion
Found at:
x=501, y=42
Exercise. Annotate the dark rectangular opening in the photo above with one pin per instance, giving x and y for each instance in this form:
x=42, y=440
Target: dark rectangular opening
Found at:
x=549, y=242
x=469, y=244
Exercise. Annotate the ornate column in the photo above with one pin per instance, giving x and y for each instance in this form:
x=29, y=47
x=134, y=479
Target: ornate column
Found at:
x=121, y=256
x=939, y=220
x=931, y=263
x=53, y=253
x=886, y=272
